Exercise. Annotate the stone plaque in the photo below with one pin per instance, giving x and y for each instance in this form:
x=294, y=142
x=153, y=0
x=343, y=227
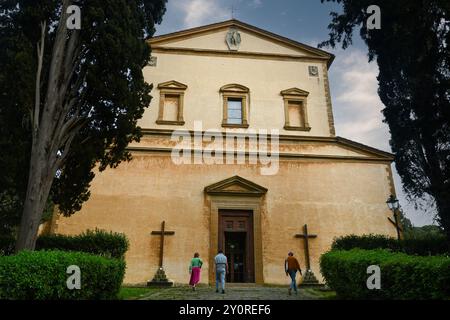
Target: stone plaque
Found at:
x=313, y=71
x=233, y=39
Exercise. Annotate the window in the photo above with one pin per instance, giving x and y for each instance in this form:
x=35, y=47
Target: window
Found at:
x=235, y=98
x=295, y=109
x=171, y=103
x=234, y=111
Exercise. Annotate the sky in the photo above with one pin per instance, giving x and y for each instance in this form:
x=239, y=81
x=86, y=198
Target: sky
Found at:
x=353, y=80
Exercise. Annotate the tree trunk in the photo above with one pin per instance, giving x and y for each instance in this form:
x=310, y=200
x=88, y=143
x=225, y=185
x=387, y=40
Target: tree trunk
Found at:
x=39, y=184
x=443, y=206
x=52, y=133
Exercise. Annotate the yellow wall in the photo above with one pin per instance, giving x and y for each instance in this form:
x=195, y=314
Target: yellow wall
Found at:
x=266, y=78
x=333, y=197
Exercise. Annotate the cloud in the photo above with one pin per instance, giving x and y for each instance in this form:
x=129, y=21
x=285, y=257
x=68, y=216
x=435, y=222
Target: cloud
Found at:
x=200, y=12
x=357, y=112
x=357, y=106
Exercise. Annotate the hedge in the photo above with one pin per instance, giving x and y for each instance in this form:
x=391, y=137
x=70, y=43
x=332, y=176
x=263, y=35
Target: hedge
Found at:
x=402, y=276
x=435, y=245
x=97, y=242
x=41, y=275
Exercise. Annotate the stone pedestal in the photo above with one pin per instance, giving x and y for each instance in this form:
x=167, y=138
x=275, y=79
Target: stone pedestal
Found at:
x=310, y=280
x=160, y=280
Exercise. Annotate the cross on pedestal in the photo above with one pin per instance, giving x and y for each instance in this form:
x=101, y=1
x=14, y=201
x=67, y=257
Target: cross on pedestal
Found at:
x=396, y=224
x=306, y=236
x=309, y=279
x=162, y=233
x=160, y=278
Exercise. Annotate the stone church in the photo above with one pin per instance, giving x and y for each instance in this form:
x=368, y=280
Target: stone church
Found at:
x=231, y=78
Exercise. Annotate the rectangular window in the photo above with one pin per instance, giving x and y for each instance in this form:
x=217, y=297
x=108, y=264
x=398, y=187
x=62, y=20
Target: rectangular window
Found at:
x=295, y=110
x=171, y=99
x=171, y=106
x=234, y=111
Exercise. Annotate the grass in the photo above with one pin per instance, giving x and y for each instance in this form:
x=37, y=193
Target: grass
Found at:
x=321, y=294
x=132, y=293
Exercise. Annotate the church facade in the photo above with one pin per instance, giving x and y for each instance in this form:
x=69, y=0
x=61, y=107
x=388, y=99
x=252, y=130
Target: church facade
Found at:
x=239, y=153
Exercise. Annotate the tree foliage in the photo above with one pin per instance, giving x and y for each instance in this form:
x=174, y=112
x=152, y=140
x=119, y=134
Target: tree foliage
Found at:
x=412, y=50
x=98, y=113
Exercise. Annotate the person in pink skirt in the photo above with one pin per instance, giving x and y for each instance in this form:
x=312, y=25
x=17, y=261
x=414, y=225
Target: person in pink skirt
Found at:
x=194, y=269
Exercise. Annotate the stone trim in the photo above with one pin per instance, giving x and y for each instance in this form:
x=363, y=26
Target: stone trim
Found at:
x=172, y=88
x=172, y=85
x=352, y=145
x=391, y=184
x=391, y=180
x=235, y=125
x=296, y=95
x=295, y=92
x=213, y=204
x=234, y=88
x=281, y=155
x=237, y=54
x=245, y=188
x=189, y=33
x=289, y=128
x=240, y=92
x=328, y=101
x=170, y=122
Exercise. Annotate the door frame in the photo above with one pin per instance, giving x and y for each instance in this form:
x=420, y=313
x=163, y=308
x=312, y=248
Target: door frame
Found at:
x=213, y=205
x=249, y=241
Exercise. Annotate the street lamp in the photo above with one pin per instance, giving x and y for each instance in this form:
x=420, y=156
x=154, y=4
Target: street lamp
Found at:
x=393, y=205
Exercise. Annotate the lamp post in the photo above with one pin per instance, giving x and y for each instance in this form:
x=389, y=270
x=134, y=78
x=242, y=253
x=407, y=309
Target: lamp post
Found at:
x=393, y=205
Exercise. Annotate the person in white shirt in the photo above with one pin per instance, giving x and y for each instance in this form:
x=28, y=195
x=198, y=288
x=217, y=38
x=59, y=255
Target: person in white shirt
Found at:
x=221, y=270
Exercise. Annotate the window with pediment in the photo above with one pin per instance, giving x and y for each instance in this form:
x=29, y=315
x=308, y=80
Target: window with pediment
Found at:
x=235, y=105
x=295, y=109
x=171, y=103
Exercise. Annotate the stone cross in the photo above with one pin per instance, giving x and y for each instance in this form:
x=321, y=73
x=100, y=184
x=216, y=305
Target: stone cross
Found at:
x=306, y=236
x=233, y=11
x=162, y=233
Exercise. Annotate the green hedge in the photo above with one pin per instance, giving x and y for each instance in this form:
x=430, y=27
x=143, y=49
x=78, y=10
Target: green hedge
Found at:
x=402, y=276
x=41, y=275
x=98, y=242
x=435, y=245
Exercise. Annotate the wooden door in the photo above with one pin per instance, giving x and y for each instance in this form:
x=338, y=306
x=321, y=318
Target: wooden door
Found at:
x=236, y=240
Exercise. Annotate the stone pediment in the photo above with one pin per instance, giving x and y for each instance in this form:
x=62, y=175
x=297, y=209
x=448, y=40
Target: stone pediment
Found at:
x=172, y=84
x=235, y=37
x=294, y=92
x=236, y=186
x=233, y=87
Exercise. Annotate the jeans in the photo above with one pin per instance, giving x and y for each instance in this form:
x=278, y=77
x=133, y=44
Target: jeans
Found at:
x=293, y=273
x=220, y=277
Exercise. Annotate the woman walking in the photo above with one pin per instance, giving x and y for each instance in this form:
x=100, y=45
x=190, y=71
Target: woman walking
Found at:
x=194, y=269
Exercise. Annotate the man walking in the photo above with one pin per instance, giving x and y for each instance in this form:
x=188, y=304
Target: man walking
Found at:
x=291, y=266
x=221, y=269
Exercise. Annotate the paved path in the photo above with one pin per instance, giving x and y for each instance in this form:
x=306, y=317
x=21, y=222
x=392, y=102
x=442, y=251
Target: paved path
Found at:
x=235, y=293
